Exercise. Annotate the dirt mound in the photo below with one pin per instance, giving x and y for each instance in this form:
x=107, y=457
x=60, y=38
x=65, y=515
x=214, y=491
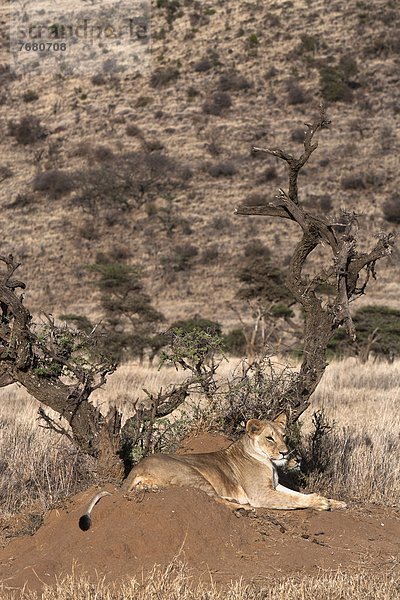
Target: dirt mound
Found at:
x=130, y=535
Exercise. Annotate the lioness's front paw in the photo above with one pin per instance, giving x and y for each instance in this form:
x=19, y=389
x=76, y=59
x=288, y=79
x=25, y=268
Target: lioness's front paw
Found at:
x=244, y=511
x=319, y=502
x=335, y=504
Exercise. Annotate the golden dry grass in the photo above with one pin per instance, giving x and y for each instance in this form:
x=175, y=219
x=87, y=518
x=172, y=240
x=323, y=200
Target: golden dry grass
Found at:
x=175, y=582
x=127, y=385
x=364, y=450
x=37, y=467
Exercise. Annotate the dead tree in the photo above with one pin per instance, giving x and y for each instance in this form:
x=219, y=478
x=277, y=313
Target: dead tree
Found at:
x=350, y=270
x=61, y=369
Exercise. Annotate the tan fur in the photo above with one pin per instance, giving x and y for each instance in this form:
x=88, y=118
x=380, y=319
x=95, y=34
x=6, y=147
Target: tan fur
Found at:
x=244, y=474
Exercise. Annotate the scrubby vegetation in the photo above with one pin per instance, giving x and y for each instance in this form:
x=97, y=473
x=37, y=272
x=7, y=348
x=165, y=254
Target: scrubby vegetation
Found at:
x=27, y=130
x=378, y=334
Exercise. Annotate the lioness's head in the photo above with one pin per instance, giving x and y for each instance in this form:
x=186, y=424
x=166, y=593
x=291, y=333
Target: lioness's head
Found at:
x=268, y=438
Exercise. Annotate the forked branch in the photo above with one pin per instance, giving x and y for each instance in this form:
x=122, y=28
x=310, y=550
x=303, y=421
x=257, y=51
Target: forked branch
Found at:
x=345, y=269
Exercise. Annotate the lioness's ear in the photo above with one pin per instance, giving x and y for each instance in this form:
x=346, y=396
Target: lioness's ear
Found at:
x=281, y=421
x=254, y=427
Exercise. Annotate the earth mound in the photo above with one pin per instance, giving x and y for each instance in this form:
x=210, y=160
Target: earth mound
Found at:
x=130, y=534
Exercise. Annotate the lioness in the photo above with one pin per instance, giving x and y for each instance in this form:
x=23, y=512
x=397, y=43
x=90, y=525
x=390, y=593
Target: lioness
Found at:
x=243, y=475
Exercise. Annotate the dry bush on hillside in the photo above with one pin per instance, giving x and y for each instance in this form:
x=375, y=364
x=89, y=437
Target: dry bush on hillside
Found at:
x=203, y=65
x=21, y=201
x=93, y=153
x=262, y=279
x=256, y=248
x=163, y=76
x=180, y=258
x=222, y=169
x=98, y=79
x=233, y=81
x=192, y=93
x=55, y=183
x=127, y=181
x=310, y=44
x=334, y=85
x=27, y=130
x=298, y=135
x=217, y=104
x=384, y=44
x=210, y=254
x=391, y=209
x=133, y=131
x=6, y=74
x=353, y=182
x=326, y=203
x=296, y=94
x=5, y=172
x=269, y=174
x=220, y=223
x=30, y=96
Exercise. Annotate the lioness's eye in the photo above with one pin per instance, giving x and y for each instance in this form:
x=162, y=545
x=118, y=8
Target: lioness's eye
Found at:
x=270, y=439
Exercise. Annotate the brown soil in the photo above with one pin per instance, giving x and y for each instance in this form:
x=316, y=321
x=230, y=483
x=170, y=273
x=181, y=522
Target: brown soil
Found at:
x=130, y=535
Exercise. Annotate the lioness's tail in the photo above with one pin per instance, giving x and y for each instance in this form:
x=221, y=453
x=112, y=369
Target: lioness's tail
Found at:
x=85, y=521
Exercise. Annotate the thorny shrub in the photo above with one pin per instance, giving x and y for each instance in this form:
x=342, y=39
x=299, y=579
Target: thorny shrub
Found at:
x=163, y=76
x=27, y=130
x=55, y=183
x=391, y=209
x=256, y=391
x=217, y=104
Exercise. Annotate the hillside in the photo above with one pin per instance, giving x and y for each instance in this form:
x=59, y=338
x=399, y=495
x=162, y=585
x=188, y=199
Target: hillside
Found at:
x=223, y=76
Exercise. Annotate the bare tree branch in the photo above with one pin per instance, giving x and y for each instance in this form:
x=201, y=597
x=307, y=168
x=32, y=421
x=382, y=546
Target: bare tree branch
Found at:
x=295, y=165
x=347, y=263
x=264, y=210
x=52, y=425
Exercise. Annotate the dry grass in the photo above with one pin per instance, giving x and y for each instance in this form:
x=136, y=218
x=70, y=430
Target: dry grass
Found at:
x=176, y=582
x=364, y=446
x=37, y=467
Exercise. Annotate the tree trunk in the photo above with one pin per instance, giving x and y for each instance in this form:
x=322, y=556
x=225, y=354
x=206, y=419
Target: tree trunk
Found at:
x=317, y=333
x=344, y=271
x=94, y=434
